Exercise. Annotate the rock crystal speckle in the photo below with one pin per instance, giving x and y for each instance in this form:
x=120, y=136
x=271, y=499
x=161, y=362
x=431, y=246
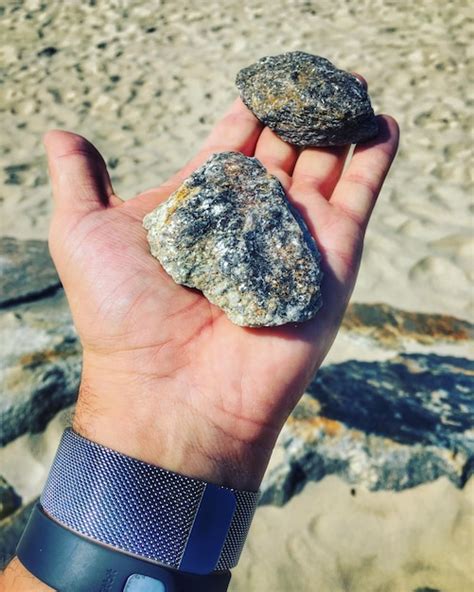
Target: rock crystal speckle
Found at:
x=230, y=231
x=307, y=101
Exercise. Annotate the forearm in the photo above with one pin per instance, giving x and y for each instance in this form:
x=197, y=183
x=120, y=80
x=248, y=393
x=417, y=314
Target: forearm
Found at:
x=205, y=452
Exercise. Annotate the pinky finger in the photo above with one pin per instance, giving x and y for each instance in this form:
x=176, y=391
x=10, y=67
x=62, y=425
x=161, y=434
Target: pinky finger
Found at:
x=357, y=190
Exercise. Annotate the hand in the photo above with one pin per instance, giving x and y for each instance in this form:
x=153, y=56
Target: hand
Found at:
x=167, y=378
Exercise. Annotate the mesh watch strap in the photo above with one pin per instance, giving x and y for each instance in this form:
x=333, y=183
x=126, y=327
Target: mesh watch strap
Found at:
x=144, y=510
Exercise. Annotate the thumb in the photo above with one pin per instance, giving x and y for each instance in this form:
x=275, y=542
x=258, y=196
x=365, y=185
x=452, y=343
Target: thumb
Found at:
x=79, y=178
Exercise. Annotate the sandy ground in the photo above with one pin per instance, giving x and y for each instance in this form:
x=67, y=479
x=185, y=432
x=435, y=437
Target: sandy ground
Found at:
x=145, y=81
x=328, y=540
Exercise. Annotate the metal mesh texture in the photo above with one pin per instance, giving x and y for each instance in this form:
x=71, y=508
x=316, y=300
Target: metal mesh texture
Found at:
x=132, y=505
x=239, y=527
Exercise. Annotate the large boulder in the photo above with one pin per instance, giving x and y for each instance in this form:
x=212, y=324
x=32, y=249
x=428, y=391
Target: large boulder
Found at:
x=386, y=421
x=26, y=271
x=40, y=366
x=41, y=355
x=9, y=499
x=380, y=425
x=392, y=328
x=11, y=529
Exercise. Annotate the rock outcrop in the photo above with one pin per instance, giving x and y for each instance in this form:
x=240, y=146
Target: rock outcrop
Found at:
x=26, y=271
x=393, y=328
x=40, y=367
x=41, y=355
x=11, y=529
x=10, y=501
x=380, y=425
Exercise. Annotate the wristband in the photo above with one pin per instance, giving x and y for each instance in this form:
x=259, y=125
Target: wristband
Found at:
x=138, y=510
x=71, y=563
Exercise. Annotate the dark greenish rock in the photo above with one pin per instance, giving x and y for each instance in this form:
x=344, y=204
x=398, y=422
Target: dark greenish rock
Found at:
x=230, y=231
x=9, y=499
x=392, y=327
x=41, y=354
x=26, y=271
x=381, y=425
x=413, y=398
x=11, y=529
x=307, y=101
x=40, y=367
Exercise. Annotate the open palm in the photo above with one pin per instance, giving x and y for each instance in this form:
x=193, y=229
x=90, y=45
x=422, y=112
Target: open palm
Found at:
x=161, y=364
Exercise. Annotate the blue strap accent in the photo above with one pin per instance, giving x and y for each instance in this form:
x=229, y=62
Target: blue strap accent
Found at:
x=209, y=530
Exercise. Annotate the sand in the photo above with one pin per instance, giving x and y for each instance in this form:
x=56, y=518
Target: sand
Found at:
x=145, y=82
x=328, y=539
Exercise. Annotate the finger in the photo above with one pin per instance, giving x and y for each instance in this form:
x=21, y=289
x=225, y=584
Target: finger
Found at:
x=79, y=177
x=359, y=186
x=319, y=169
x=361, y=79
x=237, y=131
x=277, y=156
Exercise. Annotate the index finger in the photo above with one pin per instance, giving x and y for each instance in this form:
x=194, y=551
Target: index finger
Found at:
x=358, y=189
x=237, y=131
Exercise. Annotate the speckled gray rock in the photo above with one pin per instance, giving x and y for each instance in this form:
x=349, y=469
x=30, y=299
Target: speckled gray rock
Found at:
x=230, y=231
x=307, y=101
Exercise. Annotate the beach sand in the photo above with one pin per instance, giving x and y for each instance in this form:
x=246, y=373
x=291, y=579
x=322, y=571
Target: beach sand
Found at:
x=146, y=81
x=329, y=539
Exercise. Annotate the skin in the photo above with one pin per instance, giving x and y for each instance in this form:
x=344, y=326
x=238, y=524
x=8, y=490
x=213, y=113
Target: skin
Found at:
x=167, y=378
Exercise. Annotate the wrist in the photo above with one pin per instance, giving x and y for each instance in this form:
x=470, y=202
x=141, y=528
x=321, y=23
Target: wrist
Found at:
x=154, y=421
x=16, y=578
